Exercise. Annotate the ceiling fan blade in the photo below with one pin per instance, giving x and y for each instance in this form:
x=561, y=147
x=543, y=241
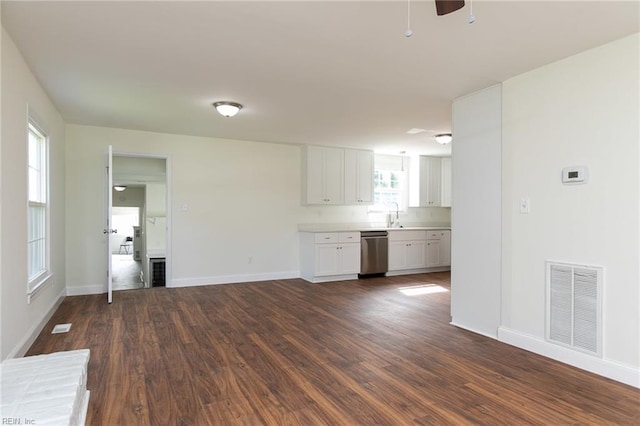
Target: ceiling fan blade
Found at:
x=447, y=6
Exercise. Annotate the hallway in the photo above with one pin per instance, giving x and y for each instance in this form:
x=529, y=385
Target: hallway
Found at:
x=126, y=272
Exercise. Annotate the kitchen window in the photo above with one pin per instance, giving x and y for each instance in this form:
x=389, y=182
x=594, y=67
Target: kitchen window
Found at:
x=38, y=209
x=390, y=183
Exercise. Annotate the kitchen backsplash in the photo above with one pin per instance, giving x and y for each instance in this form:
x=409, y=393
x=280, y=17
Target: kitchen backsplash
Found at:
x=361, y=217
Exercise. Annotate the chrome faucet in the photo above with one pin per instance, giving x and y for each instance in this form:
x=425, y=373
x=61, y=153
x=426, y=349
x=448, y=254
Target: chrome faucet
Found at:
x=396, y=223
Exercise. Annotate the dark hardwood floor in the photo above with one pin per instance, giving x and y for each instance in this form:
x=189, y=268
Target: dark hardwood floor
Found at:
x=293, y=353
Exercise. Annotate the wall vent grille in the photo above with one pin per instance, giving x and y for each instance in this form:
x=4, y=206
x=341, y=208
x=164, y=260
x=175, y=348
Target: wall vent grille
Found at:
x=574, y=306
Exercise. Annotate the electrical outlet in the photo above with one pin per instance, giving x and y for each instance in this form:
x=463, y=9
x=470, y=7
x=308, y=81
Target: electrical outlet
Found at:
x=525, y=205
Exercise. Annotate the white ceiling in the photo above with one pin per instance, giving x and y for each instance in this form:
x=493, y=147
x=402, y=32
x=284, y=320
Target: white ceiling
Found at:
x=328, y=73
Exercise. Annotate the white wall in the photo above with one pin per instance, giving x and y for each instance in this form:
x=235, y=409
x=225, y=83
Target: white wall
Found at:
x=476, y=212
x=583, y=110
x=155, y=226
x=21, y=93
x=242, y=200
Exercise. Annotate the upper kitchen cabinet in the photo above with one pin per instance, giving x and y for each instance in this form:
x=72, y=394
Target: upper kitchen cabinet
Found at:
x=322, y=175
x=430, y=181
x=358, y=176
x=446, y=182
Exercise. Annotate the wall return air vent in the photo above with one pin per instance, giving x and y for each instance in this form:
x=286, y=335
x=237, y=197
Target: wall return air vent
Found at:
x=574, y=306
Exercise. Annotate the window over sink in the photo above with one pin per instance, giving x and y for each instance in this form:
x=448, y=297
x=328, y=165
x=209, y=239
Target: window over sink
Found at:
x=390, y=183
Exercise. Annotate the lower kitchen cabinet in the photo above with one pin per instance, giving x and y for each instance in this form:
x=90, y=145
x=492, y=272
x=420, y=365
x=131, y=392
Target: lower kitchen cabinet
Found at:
x=329, y=256
x=406, y=255
x=412, y=251
x=438, y=248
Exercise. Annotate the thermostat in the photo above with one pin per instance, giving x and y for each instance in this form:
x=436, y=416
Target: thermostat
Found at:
x=575, y=175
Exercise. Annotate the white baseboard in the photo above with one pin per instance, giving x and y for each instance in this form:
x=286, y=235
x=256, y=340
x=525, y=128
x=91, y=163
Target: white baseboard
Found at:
x=418, y=271
x=611, y=369
x=85, y=290
x=330, y=278
x=474, y=330
x=231, y=279
x=23, y=346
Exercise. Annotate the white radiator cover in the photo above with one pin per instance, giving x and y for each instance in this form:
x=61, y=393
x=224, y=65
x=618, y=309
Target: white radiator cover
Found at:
x=574, y=306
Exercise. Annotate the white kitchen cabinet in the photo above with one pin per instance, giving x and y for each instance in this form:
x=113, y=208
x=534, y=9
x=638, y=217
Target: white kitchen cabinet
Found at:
x=438, y=248
x=414, y=251
x=358, y=176
x=430, y=181
x=407, y=250
x=406, y=255
x=322, y=175
x=446, y=182
x=329, y=256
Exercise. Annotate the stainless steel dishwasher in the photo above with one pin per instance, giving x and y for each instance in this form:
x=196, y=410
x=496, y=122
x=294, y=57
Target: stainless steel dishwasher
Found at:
x=374, y=252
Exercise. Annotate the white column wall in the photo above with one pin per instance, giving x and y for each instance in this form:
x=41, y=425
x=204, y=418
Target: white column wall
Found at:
x=476, y=212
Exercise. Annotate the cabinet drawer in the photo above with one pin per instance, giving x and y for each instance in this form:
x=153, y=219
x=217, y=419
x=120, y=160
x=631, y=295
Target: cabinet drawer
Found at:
x=327, y=237
x=407, y=235
x=437, y=235
x=349, y=237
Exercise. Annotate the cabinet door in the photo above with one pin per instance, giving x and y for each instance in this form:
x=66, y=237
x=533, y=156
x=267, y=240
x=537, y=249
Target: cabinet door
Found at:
x=334, y=175
x=365, y=177
x=430, y=180
x=415, y=254
x=349, y=258
x=327, y=259
x=445, y=249
x=397, y=255
x=358, y=176
x=446, y=182
x=314, y=175
x=433, y=253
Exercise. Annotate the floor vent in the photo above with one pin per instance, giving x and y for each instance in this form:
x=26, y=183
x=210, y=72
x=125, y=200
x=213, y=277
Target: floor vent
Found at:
x=61, y=328
x=574, y=306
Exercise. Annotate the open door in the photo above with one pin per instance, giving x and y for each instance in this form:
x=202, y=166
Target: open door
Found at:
x=108, y=207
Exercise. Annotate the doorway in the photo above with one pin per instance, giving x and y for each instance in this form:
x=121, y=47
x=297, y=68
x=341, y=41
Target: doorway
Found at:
x=126, y=264
x=139, y=214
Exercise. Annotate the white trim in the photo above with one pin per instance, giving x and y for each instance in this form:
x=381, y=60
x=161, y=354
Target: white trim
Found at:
x=23, y=346
x=330, y=278
x=608, y=368
x=34, y=122
x=232, y=279
x=86, y=290
x=417, y=271
x=41, y=282
x=474, y=330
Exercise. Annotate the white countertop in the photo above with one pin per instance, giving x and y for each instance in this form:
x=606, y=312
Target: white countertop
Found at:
x=355, y=227
x=156, y=253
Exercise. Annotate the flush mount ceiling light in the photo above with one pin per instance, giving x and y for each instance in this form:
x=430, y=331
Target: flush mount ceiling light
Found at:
x=119, y=188
x=444, y=138
x=227, y=109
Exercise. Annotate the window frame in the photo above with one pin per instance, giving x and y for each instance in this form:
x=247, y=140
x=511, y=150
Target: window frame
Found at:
x=403, y=173
x=38, y=197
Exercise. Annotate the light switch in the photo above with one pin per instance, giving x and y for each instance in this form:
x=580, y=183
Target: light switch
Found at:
x=525, y=205
x=184, y=207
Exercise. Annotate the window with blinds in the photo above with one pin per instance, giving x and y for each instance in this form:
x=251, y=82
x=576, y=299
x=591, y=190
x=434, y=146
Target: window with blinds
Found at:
x=37, y=245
